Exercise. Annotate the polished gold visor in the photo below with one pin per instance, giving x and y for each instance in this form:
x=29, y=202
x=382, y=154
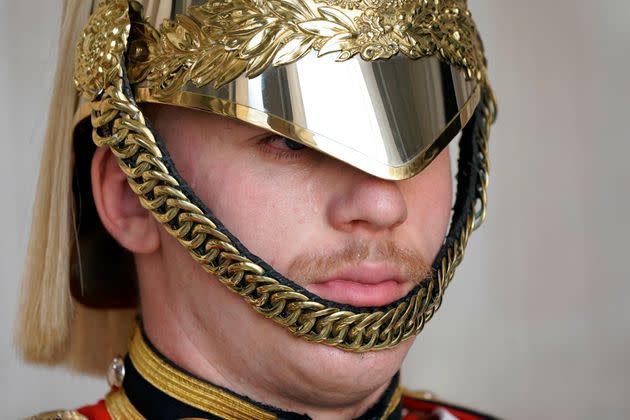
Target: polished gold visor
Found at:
x=382, y=86
x=389, y=118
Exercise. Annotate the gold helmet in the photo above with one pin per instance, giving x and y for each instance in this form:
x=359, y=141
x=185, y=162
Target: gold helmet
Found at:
x=382, y=85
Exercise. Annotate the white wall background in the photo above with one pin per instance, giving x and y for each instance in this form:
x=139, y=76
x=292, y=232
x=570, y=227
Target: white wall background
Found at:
x=536, y=324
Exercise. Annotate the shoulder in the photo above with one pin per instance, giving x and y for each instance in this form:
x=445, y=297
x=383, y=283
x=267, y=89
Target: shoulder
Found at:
x=59, y=415
x=97, y=411
x=419, y=405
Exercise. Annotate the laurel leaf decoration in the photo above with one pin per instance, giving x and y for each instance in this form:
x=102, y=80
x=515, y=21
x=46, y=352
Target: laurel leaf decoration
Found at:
x=222, y=39
x=259, y=63
x=231, y=71
x=181, y=44
x=293, y=50
x=206, y=70
x=335, y=15
x=322, y=28
x=251, y=25
x=336, y=43
x=290, y=11
x=262, y=41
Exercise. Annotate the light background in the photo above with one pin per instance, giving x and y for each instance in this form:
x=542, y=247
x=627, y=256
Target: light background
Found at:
x=536, y=323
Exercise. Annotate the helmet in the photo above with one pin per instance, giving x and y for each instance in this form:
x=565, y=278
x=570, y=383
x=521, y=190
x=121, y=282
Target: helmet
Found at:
x=382, y=85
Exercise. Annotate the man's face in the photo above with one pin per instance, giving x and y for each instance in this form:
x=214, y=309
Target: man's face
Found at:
x=340, y=233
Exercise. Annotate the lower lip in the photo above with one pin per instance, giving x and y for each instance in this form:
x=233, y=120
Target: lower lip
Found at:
x=359, y=294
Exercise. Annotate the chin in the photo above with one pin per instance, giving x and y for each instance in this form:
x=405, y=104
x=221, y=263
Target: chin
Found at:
x=338, y=377
x=259, y=358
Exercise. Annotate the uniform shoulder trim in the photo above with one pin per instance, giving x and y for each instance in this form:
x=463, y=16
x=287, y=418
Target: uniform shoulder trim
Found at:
x=427, y=402
x=59, y=415
x=96, y=411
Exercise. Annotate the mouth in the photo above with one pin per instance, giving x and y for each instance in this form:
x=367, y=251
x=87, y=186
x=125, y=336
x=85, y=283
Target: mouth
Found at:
x=363, y=285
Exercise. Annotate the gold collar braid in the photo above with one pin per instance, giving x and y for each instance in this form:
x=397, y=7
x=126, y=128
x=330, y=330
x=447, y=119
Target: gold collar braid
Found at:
x=182, y=387
x=192, y=391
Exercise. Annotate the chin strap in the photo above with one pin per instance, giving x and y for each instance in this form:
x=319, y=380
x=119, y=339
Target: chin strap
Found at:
x=119, y=124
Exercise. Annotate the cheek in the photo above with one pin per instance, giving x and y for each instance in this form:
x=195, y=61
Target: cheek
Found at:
x=267, y=210
x=429, y=197
x=262, y=206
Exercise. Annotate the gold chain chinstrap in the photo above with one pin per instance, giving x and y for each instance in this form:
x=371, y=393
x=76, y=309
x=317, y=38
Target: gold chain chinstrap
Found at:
x=140, y=158
x=120, y=125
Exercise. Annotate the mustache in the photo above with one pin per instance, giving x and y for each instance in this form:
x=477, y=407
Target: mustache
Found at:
x=309, y=268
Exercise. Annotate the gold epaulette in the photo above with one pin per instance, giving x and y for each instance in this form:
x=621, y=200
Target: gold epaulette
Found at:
x=59, y=415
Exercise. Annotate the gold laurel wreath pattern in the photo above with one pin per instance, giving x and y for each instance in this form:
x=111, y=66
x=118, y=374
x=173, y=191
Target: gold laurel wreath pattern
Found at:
x=219, y=40
x=120, y=125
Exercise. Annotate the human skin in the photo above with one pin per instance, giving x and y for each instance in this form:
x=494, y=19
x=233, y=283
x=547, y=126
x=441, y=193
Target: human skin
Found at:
x=288, y=207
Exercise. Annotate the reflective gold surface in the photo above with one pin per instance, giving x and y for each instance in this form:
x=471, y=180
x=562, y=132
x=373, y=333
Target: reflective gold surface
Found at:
x=215, y=41
x=382, y=85
x=386, y=144
x=101, y=47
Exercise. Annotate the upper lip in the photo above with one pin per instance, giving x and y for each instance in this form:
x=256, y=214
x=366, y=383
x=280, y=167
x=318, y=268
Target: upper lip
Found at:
x=366, y=273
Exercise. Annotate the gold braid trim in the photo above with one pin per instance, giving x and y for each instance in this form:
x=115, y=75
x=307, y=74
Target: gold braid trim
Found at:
x=188, y=389
x=120, y=408
x=393, y=403
x=120, y=125
x=191, y=391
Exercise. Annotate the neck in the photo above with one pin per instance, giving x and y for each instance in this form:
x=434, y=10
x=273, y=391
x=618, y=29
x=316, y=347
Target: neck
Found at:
x=149, y=371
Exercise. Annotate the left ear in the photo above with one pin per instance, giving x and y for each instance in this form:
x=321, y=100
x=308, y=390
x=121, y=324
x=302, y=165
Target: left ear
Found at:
x=118, y=207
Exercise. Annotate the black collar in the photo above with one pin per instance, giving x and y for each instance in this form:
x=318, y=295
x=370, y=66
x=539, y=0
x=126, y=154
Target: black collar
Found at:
x=155, y=388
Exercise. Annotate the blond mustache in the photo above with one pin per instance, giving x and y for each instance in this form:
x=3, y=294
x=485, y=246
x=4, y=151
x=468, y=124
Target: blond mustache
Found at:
x=306, y=269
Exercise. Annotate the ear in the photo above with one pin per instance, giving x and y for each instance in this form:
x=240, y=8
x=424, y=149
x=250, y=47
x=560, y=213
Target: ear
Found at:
x=118, y=207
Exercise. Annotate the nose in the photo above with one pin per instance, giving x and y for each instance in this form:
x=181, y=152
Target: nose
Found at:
x=368, y=203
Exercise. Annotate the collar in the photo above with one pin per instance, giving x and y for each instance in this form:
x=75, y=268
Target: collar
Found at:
x=154, y=387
